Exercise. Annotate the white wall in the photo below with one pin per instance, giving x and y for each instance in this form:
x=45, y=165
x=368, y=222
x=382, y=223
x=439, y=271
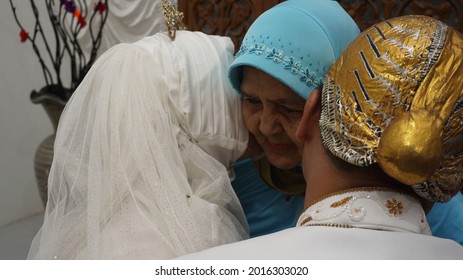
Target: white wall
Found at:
x=24, y=125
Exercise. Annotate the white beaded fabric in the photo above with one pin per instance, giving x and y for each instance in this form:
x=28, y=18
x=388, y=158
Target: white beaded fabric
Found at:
x=141, y=155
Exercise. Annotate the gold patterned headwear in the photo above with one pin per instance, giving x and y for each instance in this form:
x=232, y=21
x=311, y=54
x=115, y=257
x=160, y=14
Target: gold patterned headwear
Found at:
x=395, y=97
x=173, y=17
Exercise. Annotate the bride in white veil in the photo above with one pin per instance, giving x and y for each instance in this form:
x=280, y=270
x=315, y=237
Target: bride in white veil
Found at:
x=142, y=152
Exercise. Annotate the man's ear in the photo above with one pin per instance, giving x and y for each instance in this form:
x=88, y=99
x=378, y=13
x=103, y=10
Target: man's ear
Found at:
x=310, y=116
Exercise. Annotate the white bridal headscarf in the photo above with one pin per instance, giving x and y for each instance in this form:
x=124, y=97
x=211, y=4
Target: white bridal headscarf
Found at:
x=142, y=152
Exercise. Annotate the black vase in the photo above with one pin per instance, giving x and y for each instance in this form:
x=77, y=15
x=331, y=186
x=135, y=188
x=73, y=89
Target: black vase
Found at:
x=53, y=99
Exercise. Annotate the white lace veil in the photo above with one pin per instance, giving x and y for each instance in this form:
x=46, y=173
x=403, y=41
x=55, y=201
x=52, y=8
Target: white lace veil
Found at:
x=138, y=170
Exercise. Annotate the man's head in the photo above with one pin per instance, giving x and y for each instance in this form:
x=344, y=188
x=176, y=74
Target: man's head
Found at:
x=282, y=59
x=395, y=98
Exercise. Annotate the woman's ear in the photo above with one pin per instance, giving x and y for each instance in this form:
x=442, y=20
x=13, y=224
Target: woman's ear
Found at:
x=310, y=116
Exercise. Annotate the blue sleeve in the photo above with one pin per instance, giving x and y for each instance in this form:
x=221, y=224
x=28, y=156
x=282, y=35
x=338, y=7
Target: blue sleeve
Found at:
x=267, y=210
x=446, y=219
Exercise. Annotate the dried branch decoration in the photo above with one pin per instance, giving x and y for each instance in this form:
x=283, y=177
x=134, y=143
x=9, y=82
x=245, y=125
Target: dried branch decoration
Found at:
x=67, y=18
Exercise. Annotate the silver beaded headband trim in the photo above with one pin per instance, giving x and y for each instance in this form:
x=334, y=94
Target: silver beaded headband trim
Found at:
x=435, y=49
x=289, y=63
x=337, y=142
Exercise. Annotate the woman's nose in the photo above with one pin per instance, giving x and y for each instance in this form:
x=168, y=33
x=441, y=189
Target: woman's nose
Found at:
x=269, y=123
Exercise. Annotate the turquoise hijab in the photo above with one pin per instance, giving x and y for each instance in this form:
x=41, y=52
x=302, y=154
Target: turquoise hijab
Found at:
x=295, y=42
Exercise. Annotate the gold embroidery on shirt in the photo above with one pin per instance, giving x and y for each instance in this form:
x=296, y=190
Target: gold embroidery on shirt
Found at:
x=395, y=207
x=341, y=202
x=306, y=220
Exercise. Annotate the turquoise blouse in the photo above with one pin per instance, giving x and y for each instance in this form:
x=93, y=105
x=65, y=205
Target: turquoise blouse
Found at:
x=267, y=210
x=446, y=219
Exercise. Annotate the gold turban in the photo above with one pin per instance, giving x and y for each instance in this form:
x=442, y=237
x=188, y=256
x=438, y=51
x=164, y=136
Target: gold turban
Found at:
x=395, y=97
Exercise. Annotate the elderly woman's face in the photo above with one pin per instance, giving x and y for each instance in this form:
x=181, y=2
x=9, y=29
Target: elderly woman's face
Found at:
x=272, y=112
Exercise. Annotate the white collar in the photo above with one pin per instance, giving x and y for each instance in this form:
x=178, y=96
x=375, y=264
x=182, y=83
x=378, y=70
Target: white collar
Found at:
x=370, y=208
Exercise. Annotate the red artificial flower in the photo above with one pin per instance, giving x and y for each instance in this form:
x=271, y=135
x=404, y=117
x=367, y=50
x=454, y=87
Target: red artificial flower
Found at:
x=23, y=35
x=100, y=7
x=82, y=21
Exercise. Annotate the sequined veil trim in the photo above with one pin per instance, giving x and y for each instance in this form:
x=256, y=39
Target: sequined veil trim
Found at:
x=288, y=63
x=369, y=208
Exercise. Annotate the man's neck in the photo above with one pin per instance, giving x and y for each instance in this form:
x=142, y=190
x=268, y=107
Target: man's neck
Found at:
x=325, y=176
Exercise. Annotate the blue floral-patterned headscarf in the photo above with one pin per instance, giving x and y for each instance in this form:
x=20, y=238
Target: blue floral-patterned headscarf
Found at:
x=296, y=42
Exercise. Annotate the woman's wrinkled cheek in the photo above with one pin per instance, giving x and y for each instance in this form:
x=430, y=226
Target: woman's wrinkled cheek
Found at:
x=291, y=128
x=251, y=121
